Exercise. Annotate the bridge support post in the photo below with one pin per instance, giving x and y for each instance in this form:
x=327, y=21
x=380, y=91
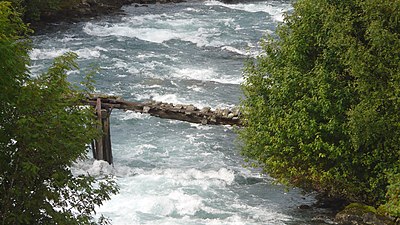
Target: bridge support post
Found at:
x=102, y=146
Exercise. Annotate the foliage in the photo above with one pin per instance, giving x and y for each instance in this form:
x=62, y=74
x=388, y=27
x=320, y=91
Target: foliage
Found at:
x=392, y=206
x=43, y=131
x=13, y=58
x=322, y=101
x=33, y=10
x=13, y=54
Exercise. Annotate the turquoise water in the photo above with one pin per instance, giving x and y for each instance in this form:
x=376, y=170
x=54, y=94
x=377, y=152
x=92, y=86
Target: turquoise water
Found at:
x=173, y=172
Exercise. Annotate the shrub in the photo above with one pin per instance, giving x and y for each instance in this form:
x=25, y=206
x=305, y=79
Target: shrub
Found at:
x=43, y=131
x=322, y=100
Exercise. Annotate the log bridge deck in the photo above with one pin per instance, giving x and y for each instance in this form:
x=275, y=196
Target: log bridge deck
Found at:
x=104, y=105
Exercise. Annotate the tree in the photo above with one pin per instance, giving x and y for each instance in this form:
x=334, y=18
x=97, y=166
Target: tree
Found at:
x=322, y=101
x=35, y=10
x=44, y=129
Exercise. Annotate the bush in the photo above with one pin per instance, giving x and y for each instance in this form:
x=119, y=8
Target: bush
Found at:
x=43, y=131
x=392, y=205
x=34, y=10
x=322, y=101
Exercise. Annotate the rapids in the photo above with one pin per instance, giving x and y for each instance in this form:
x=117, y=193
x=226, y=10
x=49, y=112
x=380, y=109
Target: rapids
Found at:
x=173, y=172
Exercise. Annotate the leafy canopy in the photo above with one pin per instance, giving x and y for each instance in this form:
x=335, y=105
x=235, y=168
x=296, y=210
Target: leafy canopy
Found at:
x=322, y=100
x=35, y=10
x=43, y=130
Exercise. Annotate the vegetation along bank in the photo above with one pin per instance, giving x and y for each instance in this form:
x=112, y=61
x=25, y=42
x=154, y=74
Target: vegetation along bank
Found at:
x=39, y=13
x=43, y=131
x=321, y=111
x=322, y=101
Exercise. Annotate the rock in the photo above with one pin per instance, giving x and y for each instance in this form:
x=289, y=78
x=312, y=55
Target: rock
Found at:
x=359, y=214
x=326, y=202
x=148, y=1
x=213, y=119
x=178, y=106
x=230, y=116
x=323, y=219
x=304, y=207
x=205, y=110
x=146, y=109
x=225, y=112
x=191, y=108
x=236, y=111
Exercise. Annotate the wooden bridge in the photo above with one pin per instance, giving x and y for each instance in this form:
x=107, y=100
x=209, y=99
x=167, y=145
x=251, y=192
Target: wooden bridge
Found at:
x=105, y=104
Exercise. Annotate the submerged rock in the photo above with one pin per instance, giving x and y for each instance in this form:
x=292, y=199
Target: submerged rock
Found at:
x=304, y=207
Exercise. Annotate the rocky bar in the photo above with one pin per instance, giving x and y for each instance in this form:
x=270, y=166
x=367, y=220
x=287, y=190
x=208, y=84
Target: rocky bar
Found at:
x=181, y=112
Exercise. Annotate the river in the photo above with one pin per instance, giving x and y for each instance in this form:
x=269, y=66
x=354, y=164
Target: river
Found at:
x=173, y=172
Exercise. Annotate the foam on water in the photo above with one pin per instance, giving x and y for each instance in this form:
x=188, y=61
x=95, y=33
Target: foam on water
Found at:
x=129, y=115
x=276, y=11
x=221, y=177
x=70, y=38
x=146, y=34
x=172, y=196
x=143, y=19
x=235, y=50
x=36, y=54
x=198, y=36
x=35, y=69
x=205, y=74
x=163, y=28
x=93, y=168
x=195, y=88
x=85, y=53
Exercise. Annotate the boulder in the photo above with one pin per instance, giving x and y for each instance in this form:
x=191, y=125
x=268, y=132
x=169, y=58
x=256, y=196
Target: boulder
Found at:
x=225, y=112
x=178, y=106
x=205, y=110
x=236, y=111
x=360, y=214
x=191, y=108
x=146, y=109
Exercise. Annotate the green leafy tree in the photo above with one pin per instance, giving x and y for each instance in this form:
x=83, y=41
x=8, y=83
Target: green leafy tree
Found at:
x=322, y=100
x=44, y=129
x=392, y=206
x=35, y=10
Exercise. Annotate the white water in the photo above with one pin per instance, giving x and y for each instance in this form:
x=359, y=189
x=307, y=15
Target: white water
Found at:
x=173, y=172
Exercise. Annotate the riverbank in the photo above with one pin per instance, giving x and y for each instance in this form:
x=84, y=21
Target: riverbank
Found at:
x=87, y=9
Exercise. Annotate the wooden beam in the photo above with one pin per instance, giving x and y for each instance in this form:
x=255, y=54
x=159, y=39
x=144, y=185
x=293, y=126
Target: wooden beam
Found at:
x=99, y=140
x=107, y=151
x=187, y=113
